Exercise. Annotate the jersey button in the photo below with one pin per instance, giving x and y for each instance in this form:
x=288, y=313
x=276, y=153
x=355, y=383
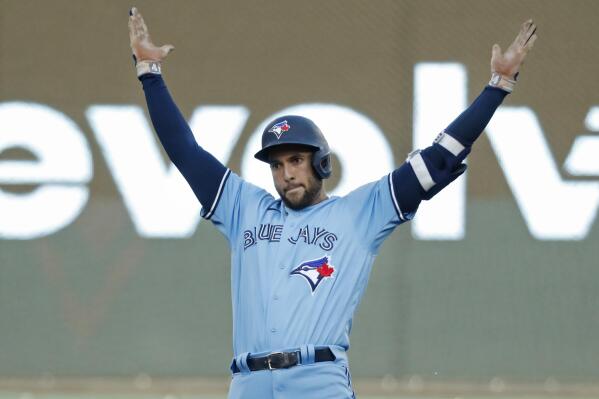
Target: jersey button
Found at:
x=273, y=330
x=276, y=297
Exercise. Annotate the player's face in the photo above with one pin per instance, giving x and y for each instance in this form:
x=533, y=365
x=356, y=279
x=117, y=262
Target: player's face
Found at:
x=294, y=178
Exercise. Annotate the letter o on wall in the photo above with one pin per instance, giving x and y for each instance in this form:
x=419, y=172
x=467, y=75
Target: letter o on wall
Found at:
x=359, y=144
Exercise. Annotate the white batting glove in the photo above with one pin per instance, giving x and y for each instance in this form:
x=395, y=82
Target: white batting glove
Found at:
x=147, y=55
x=505, y=67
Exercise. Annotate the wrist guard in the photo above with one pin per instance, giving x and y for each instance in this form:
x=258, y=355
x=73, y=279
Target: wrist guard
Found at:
x=144, y=67
x=502, y=82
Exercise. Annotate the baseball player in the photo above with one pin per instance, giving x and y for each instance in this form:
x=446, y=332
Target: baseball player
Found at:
x=300, y=263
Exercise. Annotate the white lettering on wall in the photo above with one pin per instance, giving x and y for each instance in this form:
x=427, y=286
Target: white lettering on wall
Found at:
x=553, y=209
x=583, y=159
x=217, y=128
x=62, y=167
x=440, y=95
x=158, y=198
x=162, y=205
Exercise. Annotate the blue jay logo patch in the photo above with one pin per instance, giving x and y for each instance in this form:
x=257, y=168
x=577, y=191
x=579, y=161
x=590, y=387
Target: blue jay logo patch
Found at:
x=279, y=128
x=314, y=271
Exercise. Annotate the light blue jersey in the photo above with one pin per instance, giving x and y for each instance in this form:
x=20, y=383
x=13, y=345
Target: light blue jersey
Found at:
x=298, y=275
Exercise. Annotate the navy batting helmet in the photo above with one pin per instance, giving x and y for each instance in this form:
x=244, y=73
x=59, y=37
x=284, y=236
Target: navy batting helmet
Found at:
x=293, y=129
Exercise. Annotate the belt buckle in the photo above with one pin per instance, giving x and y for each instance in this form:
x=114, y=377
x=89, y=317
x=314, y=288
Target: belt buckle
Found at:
x=269, y=359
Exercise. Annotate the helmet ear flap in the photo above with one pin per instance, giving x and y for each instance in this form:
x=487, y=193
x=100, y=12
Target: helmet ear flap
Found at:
x=321, y=161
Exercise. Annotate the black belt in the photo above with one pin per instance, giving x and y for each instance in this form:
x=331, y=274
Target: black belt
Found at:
x=283, y=360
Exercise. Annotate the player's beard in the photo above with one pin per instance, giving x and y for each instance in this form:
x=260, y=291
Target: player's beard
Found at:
x=311, y=193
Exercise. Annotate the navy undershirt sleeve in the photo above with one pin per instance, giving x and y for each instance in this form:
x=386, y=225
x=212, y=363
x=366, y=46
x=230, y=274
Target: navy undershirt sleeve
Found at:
x=470, y=124
x=202, y=170
x=465, y=128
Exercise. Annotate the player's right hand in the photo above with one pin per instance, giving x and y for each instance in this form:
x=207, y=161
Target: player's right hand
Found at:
x=141, y=45
x=508, y=64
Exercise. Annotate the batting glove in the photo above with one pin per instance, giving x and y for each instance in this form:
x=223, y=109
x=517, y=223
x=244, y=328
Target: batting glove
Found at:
x=505, y=67
x=147, y=56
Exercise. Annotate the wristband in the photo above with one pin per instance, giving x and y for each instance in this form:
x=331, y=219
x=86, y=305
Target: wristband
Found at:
x=144, y=67
x=501, y=82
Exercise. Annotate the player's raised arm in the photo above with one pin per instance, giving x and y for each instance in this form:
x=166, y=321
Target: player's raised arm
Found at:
x=428, y=171
x=203, y=172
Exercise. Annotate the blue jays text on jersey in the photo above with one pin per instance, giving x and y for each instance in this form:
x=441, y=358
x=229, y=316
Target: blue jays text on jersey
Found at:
x=319, y=236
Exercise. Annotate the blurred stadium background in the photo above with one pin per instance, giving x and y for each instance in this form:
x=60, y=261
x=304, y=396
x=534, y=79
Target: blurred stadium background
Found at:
x=103, y=295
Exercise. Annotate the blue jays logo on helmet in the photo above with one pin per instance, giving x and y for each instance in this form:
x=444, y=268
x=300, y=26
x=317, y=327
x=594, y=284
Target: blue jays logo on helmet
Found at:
x=314, y=271
x=279, y=128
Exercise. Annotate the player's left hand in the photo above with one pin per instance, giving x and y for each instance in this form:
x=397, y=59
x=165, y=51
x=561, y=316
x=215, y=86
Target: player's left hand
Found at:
x=141, y=44
x=508, y=64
